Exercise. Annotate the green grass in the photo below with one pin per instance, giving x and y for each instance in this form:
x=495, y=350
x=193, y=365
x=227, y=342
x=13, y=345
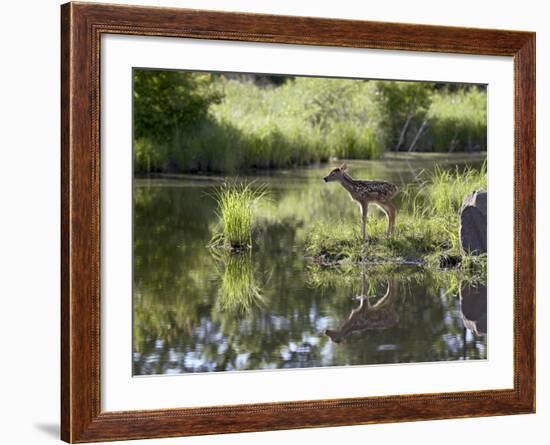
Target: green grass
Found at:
x=426, y=231
x=301, y=122
x=446, y=189
x=459, y=120
x=236, y=202
x=413, y=239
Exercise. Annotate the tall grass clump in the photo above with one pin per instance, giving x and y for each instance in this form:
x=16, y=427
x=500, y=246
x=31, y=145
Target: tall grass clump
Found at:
x=446, y=189
x=236, y=203
x=438, y=201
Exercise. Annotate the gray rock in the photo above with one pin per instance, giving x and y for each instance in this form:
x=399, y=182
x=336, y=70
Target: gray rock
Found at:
x=473, y=223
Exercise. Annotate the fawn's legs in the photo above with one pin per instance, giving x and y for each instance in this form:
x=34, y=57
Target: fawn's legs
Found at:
x=364, y=212
x=391, y=211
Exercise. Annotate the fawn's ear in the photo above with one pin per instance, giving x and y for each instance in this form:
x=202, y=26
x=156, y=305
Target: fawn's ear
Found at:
x=344, y=166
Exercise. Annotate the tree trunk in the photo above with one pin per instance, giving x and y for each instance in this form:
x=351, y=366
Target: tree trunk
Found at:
x=418, y=134
x=410, y=115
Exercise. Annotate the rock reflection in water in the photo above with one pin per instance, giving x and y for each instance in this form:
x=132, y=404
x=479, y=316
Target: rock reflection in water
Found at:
x=473, y=307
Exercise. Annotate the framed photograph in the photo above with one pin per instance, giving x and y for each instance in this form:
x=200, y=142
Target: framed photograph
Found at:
x=274, y=222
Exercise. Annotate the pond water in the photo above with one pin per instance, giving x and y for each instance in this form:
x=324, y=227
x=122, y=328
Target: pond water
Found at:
x=197, y=311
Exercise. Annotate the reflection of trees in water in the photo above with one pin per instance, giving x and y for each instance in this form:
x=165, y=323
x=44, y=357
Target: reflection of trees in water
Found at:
x=164, y=274
x=181, y=316
x=189, y=318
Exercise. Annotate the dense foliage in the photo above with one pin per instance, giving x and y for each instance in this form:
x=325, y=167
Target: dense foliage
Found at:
x=199, y=122
x=167, y=103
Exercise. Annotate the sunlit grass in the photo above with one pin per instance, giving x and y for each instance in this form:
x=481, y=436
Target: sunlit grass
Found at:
x=412, y=240
x=303, y=121
x=458, y=119
x=446, y=189
x=236, y=202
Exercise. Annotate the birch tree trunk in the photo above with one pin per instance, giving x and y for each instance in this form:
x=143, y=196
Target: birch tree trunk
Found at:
x=418, y=134
x=410, y=114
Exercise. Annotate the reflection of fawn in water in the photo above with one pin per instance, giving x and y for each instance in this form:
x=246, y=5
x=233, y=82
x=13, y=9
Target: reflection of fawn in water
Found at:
x=381, y=315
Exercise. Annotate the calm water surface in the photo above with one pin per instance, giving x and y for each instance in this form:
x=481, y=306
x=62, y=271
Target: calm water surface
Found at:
x=195, y=311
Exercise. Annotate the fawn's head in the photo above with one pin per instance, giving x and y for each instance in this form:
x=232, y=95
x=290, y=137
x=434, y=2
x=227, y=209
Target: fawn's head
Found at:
x=336, y=174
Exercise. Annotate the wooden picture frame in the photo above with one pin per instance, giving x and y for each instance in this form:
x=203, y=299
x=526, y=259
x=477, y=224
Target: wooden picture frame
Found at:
x=82, y=25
